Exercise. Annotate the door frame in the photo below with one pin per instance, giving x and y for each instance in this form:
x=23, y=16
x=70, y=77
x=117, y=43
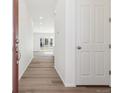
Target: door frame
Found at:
x=14, y=46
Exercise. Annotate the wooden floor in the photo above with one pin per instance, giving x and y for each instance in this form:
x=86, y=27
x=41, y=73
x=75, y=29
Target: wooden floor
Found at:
x=41, y=77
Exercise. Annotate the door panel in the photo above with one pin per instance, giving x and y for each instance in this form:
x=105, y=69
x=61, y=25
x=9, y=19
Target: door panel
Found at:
x=99, y=24
x=99, y=63
x=85, y=63
x=93, y=36
x=85, y=21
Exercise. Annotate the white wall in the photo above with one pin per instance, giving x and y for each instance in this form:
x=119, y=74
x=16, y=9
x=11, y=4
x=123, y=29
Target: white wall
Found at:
x=25, y=38
x=70, y=24
x=65, y=42
x=6, y=35
x=60, y=39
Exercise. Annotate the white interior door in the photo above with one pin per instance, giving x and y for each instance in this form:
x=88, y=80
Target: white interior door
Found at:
x=93, y=42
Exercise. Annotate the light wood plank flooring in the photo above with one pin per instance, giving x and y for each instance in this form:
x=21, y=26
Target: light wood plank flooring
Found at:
x=41, y=77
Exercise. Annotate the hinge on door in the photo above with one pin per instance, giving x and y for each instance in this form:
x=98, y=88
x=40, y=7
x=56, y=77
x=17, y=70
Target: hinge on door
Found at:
x=109, y=19
x=109, y=72
x=109, y=46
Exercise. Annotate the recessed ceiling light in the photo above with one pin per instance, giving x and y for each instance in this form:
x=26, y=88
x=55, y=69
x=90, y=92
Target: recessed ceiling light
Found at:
x=41, y=17
x=54, y=11
x=32, y=23
x=41, y=23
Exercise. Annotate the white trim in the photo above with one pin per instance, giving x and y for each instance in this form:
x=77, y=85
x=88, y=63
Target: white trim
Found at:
x=65, y=84
x=70, y=44
x=57, y=70
x=69, y=85
x=20, y=76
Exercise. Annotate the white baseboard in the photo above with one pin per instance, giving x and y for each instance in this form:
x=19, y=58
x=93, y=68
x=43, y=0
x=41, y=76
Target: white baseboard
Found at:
x=65, y=84
x=58, y=72
x=25, y=68
x=69, y=85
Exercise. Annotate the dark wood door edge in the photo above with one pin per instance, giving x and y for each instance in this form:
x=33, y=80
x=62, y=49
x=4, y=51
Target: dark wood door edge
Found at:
x=15, y=55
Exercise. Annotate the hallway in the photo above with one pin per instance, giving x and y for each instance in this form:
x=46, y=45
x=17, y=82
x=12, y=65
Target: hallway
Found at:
x=41, y=77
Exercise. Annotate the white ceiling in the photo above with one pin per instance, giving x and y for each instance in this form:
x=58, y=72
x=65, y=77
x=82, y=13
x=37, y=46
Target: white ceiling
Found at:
x=41, y=8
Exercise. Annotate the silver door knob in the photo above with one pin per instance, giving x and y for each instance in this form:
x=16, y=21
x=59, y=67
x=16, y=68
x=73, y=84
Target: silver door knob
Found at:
x=79, y=47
